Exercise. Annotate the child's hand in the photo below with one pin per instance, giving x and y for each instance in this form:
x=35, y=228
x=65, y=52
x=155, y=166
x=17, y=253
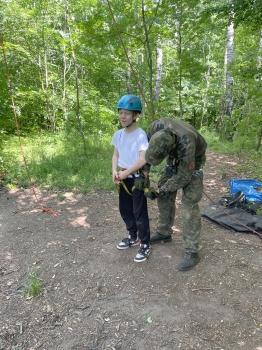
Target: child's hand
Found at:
x=122, y=175
x=115, y=177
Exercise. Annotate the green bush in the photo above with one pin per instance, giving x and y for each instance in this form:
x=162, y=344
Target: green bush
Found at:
x=34, y=285
x=58, y=161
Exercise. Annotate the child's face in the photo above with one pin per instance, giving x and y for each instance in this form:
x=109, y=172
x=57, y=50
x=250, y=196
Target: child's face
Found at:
x=125, y=117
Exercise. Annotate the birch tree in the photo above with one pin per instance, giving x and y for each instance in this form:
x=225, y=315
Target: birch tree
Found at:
x=229, y=56
x=159, y=66
x=259, y=81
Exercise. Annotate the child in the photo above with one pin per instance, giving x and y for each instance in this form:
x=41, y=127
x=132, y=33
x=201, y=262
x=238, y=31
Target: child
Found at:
x=129, y=156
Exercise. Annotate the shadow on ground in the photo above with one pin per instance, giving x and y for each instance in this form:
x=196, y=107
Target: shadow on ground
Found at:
x=96, y=297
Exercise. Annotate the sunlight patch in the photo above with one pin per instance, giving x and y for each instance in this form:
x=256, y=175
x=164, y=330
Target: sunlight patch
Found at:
x=175, y=229
x=70, y=196
x=8, y=256
x=53, y=243
x=80, y=221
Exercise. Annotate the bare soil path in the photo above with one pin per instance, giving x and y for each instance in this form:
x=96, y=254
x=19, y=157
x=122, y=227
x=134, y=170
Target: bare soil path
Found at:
x=95, y=297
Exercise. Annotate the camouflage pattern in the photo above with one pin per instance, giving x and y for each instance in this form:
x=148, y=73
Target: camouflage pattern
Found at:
x=142, y=182
x=191, y=195
x=184, y=160
x=161, y=143
x=145, y=170
x=156, y=126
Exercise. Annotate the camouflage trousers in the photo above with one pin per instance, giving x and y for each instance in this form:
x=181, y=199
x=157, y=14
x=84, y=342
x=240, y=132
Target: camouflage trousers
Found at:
x=192, y=193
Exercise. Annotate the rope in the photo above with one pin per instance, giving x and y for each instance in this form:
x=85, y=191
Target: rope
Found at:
x=125, y=187
x=38, y=201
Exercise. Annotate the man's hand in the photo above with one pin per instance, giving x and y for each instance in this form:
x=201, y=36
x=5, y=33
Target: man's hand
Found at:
x=141, y=183
x=163, y=193
x=151, y=193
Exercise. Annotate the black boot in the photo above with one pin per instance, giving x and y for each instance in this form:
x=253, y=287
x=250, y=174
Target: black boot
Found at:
x=159, y=238
x=189, y=260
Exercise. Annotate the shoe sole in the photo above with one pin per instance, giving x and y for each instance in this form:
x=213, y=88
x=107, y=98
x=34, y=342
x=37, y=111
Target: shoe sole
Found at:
x=161, y=241
x=188, y=268
x=138, y=261
x=127, y=247
x=122, y=248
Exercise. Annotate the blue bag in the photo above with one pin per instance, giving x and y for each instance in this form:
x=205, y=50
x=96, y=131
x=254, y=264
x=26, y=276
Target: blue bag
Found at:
x=251, y=188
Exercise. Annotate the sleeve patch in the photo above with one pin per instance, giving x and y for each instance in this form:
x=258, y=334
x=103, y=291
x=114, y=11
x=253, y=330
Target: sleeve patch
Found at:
x=191, y=166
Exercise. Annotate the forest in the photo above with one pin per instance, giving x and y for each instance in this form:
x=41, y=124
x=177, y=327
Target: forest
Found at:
x=64, y=65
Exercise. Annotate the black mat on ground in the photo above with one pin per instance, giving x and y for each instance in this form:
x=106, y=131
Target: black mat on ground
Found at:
x=233, y=218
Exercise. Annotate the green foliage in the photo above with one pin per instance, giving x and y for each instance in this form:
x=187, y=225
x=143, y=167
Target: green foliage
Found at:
x=259, y=211
x=249, y=11
x=252, y=166
x=65, y=60
x=244, y=124
x=34, y=285
x=242, y=146
x=58, y=161
x=3, y=166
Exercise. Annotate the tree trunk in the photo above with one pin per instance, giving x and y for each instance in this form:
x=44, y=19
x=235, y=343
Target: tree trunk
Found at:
x=179, y=56
x=159, y=66
x=64, y=85
x=259, y=77
x=259, y=57
x=133, y=71
x=66, y=62
x=259, y=139
x=149, y=62
x=78, y=116
x=128, y=75
x=46, y=89
x=207, y=80
x=67, y=29
x=40, y=72
x=229, y=56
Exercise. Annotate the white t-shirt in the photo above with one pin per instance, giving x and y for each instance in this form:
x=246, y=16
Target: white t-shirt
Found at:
x=128, y=145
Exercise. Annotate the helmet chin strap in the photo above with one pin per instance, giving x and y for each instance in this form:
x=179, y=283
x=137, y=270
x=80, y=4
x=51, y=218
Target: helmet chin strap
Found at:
x=132, y=122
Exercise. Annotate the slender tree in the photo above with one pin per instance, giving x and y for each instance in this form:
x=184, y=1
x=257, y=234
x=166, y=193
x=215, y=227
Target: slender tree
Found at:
x=159, y=68
x=149, y=58
x=259, y=80
x=229, y=56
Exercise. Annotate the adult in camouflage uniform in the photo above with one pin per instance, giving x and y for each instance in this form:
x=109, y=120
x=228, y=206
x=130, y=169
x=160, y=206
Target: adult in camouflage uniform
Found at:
x=184, y=149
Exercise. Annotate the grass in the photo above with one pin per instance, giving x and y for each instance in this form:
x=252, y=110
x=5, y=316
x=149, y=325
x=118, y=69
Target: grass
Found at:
x=57, y=161
x=34, y=286
x=251, y=161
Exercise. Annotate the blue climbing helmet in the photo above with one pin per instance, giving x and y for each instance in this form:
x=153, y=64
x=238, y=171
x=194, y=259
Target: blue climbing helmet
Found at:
x=131, y=103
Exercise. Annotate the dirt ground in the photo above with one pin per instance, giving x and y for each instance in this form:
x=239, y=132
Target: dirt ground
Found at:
x=95, y=297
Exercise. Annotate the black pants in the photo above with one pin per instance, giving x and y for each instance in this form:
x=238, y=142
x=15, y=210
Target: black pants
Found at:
x=133, y=210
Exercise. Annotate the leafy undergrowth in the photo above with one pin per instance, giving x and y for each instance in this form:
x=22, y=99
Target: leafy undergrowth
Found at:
x=57, y=161
x=34, y=285
x=250, y=161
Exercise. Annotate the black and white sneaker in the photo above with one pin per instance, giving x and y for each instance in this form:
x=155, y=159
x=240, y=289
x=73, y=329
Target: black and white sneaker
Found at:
x=143, y=253
x=128, y=243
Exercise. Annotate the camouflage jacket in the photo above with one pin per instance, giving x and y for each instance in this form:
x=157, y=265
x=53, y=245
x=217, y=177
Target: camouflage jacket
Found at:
x=187, y=155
